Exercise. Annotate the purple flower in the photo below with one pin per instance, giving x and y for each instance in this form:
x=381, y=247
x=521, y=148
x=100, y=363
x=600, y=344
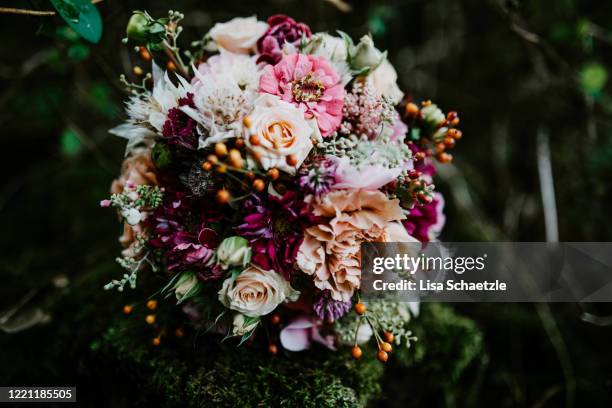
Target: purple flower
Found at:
x=329, y=309
x=318, y=178
x=424, y=222
x=179, y=128
x=282, y=29
x=274, y=227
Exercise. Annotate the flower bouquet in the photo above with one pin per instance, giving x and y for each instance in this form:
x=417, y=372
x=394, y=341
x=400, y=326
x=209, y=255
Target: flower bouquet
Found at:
x=257, y=163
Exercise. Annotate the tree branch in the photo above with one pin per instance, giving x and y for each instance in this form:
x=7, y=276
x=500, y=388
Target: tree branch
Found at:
x=39, y=13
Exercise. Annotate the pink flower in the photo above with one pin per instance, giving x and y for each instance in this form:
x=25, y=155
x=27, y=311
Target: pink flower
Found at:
x=282, y=30
x=367, y=177
x=311, y=84
x=299, y=334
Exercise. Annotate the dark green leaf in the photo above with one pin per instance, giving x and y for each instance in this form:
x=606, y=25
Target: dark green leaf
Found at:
x=82, y=16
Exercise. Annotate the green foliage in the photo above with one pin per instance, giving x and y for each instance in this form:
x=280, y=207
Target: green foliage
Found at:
x=70, y=144
x=593, y=78
x=82, y=16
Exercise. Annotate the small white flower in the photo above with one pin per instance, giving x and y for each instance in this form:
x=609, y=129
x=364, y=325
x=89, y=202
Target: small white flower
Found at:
x=238, y=35
x=132, y=216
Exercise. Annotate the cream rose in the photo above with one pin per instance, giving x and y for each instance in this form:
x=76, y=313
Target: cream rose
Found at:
x=256, y=292
x=384, y=80
x=238, y=35
x=280, y=130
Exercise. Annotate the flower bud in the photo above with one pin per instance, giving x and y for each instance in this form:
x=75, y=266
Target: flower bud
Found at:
x=243, y=325
x=132, y=216
x=137, y=28
x=186, y=286
x=233, y=251
x=432, y=115
x=366, y=55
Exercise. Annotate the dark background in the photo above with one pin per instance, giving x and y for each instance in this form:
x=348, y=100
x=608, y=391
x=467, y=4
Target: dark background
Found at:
x=522, y=74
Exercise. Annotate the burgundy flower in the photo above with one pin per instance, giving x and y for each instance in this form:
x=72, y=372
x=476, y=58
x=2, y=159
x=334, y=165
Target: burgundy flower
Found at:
x=274, y=228
x=283, y=29
x=319, y=178
x=179, y=128
x=329, y=309
x=424, y=222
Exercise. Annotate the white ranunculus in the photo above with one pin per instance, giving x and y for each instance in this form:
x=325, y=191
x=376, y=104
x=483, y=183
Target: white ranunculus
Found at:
x=256, y=292
x=384, y=81
x=238, y=35
x=233, y=251
x=366, y=55
x=281, y=131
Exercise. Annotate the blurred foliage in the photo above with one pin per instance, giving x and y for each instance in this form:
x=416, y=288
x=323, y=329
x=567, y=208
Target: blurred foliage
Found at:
x=513, y=69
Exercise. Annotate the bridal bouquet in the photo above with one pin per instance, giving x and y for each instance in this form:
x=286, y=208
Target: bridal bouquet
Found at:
x=257, y=163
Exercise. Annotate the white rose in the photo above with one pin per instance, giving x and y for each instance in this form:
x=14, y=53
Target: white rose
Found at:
x=384, y=81
x=256, y=292
x=132, y=216
x=233, y=251
x=238, y=35
x=281, y=130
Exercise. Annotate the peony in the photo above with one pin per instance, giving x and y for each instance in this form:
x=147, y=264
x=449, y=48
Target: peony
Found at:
x=282, y=31
x=238, y=35
x=311, y=84
x=280, y=130
x=384, y=80
x=331, y=251
x=256, y=292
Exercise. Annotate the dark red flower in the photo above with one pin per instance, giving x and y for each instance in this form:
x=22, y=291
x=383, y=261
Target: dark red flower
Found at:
x=275, y=227
x=283, y=29
x=179, y=128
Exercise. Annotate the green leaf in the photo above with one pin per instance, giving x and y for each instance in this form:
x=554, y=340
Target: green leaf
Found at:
x=593, y=78
x=82, y=16
x=70, y=144
x=78, y=52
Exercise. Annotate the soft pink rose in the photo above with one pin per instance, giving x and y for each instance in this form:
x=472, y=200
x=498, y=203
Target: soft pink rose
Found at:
x=238, y=35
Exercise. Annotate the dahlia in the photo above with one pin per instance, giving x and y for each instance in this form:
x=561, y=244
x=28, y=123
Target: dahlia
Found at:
x=310, y=83
x=274, y=228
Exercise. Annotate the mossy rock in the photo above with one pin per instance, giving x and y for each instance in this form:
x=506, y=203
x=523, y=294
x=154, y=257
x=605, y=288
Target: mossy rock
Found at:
x=208, y=373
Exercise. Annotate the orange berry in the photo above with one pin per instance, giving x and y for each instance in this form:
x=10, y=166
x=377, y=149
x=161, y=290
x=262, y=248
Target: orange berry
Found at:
x=440, y=147
x=179, y=332
x=137, y=71
x=250, y=175
x=444, y=157
x=292, y=160
x=235, y=158
x=239, y=143
x=275, y=319
x=426, y=103
x=156, y=341
x=152, y=304
x=223, y=196
x=360, y=308
x=419, y=156
x=356, y=352
x=458, y=134
x=449, y=142
x=382, y=356
x=127, y=309
x=220, y=149
x=272, y=349
x=386, y=347
x=273, y=173
x=171, y=66
x=411, y=109
x=150, y=319
x=259, y=185
x=144, y=53
x=254, y=140
x=207, y=166
x=455, y=122
x=389, y=337
x=212, y=159
x=247, y=122
x=221, y=168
